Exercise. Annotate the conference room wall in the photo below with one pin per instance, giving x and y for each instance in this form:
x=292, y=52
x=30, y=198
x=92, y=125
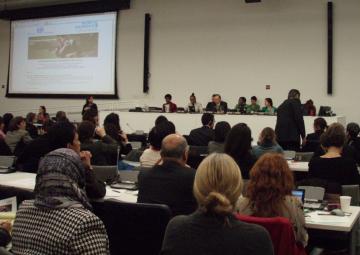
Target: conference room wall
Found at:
x=228, y=47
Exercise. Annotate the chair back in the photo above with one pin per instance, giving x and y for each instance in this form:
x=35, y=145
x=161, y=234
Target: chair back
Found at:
x=133, y=228
x=19, y=193
x=281, y=233
x=353, y=192
x=106, y=174
x=196, y=155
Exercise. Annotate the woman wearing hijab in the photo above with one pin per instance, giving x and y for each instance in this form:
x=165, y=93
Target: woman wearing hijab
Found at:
x=59, y=220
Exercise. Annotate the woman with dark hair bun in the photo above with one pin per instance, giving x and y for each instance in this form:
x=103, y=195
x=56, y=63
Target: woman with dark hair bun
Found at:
x=312, y=141
x=238, y=146
x=194, y=106
x=269, y=194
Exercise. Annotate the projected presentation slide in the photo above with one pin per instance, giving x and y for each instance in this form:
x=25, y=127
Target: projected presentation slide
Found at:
x=72, y=55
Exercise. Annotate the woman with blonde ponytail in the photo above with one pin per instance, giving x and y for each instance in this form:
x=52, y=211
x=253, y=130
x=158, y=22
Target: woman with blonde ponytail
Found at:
x=213, y=229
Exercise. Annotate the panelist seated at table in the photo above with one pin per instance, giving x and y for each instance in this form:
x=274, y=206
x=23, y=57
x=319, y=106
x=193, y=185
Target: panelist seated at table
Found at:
x=169, y=106
x=269, y=107
x=169, y=182
x=217, y=105
x=213, y=229
x=332, y=166
x=268, y=194
x=194, y=106
x=241, y=106
x=203, y=135
x=253, y=106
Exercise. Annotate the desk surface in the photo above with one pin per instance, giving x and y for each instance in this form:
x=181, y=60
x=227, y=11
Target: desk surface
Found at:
x=313, y=221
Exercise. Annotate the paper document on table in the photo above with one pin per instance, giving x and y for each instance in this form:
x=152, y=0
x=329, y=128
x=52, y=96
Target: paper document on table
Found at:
x=314, y=217
x=27, y=183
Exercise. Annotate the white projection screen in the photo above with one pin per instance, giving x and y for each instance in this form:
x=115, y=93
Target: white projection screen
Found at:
x=69, y=56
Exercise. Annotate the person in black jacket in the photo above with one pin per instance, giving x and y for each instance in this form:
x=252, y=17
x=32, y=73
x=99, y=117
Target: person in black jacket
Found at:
x=170, y=182
x=203, y=135
x=104, y=151
x=217, y=105
x=332, y=166
x=89, y=105
x=290, y=122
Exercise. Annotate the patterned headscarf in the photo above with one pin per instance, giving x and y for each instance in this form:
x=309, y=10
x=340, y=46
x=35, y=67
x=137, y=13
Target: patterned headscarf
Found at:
x=60, y=181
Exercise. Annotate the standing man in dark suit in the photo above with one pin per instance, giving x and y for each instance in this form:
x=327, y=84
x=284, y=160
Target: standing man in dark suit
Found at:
x=203, y=135
x=290, y=122
x=217, y=105
x=171, y=181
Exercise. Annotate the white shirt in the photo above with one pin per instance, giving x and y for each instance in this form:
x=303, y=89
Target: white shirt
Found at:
x=149, y=158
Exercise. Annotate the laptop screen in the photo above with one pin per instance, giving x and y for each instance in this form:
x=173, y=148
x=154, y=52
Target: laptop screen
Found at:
x=299, y=194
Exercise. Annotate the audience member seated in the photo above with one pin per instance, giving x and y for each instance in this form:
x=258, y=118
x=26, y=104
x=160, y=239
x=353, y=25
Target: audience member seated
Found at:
x=213, y=229
x=28, y=160
x=241, y=105
x=103, y=152
x=30, y=120
x=42, y=115
x=170, y=182
x=64, y=135
x=113, y=129
x=92, y=116
x=312, y=141
x=5, y=237
x=17, y=133
x=194, y=106
x=2, y=126
x=89, y=105
x=151, y=156
x=267, y=143
x=309, y=108
x=269, y=194
x=332, y=166
x=203, y=135
x=169, y=106
x=217, y=105
x=222, y=129
x=160, y=119
x=59, y=220
x=352, y=138
x=61, y=116
x=253, y=106
x=238, y=146
x=7, y=118
x=269, y=107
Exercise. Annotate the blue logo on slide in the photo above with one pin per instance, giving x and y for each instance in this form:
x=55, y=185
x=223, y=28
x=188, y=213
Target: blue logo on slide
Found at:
x=39, y=30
